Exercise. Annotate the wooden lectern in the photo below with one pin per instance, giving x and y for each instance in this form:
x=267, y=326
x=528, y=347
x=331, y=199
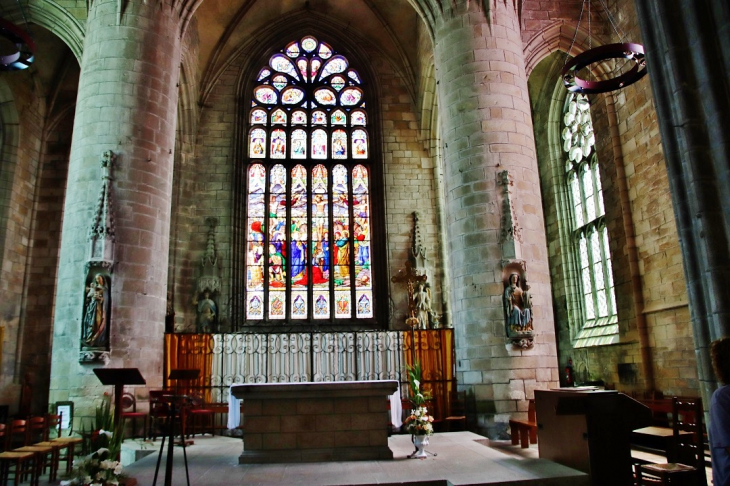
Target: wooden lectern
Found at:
x=589, y=430
x=119, y=377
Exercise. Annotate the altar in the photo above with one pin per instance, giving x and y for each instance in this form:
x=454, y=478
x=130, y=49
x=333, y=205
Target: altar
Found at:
x=315, y=422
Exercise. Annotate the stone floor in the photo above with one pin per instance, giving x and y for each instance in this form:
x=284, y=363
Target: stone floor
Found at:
x=460, y=458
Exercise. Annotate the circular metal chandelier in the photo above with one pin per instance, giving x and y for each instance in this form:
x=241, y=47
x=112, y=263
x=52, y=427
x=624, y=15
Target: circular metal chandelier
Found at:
x=628, y=51
x=632, y=53
x=23, y=56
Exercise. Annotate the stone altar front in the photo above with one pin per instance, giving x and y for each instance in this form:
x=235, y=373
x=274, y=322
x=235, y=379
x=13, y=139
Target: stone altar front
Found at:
x=314, y=422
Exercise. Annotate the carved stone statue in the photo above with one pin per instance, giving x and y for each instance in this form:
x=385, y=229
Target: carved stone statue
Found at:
x=207, y=313
x=422, y=303
x=517, y=306
x=95, y=330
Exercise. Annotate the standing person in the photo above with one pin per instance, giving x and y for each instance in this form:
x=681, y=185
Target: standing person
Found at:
x=720, y=414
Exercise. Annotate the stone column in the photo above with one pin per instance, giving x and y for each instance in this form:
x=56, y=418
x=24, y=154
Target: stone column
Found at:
x=686, y=43
x=127, y=102
x=487, y=129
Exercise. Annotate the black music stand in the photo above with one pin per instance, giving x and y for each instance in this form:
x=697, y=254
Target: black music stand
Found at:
x=119, y=377
x=182, y=374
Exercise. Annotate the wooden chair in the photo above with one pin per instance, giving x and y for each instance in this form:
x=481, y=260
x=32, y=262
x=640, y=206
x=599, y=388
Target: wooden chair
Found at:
x=687, y=457
x=129, y=411
x=62, y=443
x=20, y=463
x=525, y=431
x=200, y=416
x=457, y=412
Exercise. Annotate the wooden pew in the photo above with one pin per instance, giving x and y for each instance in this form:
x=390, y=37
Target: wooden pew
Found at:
x=525, y=431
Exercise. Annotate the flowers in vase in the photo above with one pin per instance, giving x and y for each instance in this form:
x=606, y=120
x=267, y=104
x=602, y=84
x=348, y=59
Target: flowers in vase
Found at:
x=96, y=469
x=419, y=422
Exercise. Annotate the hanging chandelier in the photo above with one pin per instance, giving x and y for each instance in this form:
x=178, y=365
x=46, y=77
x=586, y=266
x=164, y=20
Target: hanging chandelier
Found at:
x=632, y=53
x=23, y=56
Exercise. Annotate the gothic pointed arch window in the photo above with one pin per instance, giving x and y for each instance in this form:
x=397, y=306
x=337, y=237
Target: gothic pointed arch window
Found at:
x=308, y=189
x=590, y=236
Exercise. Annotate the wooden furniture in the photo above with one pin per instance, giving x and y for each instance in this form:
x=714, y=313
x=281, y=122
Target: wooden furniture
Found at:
x=315, y=422
x=589, y=431
x=20, y=465
x=524, y=431
x=687, y=462
x=200, y=417
x=129, y=411
x=457, y=412
x=118, y=377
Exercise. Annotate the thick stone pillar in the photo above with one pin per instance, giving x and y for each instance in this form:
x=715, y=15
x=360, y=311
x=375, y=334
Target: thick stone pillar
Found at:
x=127, y=103
x=487, y=130
x=688, y=59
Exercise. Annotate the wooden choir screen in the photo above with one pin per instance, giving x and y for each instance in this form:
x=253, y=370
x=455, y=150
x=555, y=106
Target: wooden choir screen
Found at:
x=189, y=351
x=224, y=359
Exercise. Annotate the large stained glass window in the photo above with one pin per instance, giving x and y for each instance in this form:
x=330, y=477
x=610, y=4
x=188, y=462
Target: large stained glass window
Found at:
x=308, y=213
x=589, y=229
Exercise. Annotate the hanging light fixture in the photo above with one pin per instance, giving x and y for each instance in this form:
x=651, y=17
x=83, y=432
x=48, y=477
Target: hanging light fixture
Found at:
x=632, y=53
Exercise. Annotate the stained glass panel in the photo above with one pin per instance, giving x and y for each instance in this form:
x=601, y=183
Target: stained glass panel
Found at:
x=358, y=118
x=258, y=117
x=359, y=144
x=309, y=43
x=321, y=304
x=302, y=65
x=324, y=51
x=255, y=305
x=264, y=73
x=314, y=66
x=299, y=118
x=364, y=304
x=319, y=118
x=359, y=180
x=277, y=307
x=257, y=142
x=265, y=95
x=341, y=241
x=342, y=304
x=319, y=144
x=337, y=82
x=353, y=75
x=293, y=49
x=325, y=96
x=255, y=235
x=588, y=194
x=350, y=97
x=335, y=65
x=338, y=118
x=339, y=144
x=279, y=82
x=299, y=305
x=283, y=64
x=292, y=96
x=299, y=144
x=278, y=144
x=278, y=117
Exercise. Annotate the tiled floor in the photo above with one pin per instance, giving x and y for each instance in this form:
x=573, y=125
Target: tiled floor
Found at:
x=459, y=459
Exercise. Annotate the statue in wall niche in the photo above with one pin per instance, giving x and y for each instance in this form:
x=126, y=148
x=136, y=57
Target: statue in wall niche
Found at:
x=95, y=326
x=517, y=306
x=422, y=303
x=207, y=313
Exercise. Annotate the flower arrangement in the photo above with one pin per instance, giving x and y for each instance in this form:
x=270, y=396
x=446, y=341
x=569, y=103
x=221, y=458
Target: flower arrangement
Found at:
x=419, y=422
x=100, y=468
x=96, y=469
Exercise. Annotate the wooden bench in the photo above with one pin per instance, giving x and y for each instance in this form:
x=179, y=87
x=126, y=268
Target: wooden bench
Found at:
x=525, y=431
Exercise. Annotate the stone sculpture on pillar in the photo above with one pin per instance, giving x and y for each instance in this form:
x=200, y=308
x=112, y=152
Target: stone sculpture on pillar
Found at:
x=517, y=301
x=95, y=323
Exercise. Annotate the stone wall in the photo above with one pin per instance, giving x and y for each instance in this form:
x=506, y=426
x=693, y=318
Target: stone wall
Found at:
x=625, y=125
x=205, y=187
